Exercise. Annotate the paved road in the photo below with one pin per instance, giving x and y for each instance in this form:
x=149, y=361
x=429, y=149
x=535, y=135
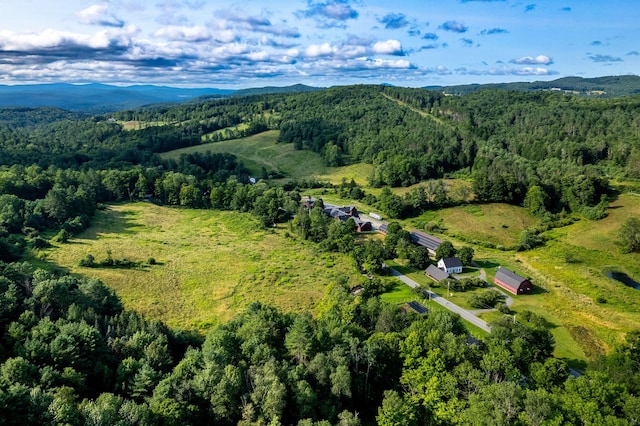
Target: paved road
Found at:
x=467, y=315
x=444, y=302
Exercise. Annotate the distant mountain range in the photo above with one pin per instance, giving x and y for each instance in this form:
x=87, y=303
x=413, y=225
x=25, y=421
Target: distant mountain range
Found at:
x=611, y=86
x=98, y=98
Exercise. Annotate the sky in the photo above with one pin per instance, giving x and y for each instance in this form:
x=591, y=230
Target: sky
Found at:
x=257, y=43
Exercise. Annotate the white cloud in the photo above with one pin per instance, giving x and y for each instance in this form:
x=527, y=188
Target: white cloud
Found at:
x=99, y=14
x=528, y=60
x=323, y=49
x=389, y=47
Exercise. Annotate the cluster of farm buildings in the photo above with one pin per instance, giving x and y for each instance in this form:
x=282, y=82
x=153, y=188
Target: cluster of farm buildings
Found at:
x=445, y=268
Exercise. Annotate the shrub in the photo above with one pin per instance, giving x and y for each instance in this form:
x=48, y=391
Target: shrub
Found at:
x=62, y=236
x=39, y=243
x=503, y=308
x=151, y=261
x=88, y=262
x=485, y=300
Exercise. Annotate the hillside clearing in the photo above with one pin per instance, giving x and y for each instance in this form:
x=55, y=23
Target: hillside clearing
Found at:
x=211, y=264
x=263, y=151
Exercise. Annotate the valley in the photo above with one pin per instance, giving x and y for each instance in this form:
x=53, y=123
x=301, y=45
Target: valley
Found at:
x=178, y=260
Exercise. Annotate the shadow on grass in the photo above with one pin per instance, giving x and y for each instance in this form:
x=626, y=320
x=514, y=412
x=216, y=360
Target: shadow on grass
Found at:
x=488, y=264
x=110, y=221
x=538, y=290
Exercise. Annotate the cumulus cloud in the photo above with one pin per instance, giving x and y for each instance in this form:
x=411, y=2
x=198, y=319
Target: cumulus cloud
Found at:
x=529, y=60
x=414, y=32
x=430, y=36
x=467, y=42
x=333, y=13
x=605, y=58
x=454, y=26
x=55, y=43
x=530, y=8
x=633, y=53
x=354, y=48
x=566, y=9
x=493, y=31
x=393, y=21
x=389, y=47
x=482, y=1
x=596, y=43
x=99, y=14
x=242, y=21
x=508, y=71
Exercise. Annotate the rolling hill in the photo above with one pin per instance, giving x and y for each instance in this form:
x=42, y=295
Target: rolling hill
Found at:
x=97, y=97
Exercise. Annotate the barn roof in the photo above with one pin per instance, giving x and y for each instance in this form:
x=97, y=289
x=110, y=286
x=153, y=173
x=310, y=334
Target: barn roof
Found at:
x=436, y=273
x=426, y=240
x=509, y=278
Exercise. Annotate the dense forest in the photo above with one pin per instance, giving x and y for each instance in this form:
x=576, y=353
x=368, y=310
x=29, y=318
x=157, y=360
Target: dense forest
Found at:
x=70, y=353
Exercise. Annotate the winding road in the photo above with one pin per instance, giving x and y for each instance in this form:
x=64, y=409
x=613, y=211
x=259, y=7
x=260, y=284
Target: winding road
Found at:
x=465, y=314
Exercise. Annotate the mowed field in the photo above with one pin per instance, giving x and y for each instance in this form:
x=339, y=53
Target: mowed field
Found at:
x=499, y=224
x=574, y=264
x=211, y=264
x=588, y=311
x=263, y=150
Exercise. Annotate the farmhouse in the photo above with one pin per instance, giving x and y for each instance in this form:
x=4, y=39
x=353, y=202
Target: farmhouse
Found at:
x=436, y=274
x=453, y=265
x=335, y=213
x=383, y=227
x=362, y=225
x=345, y=213
x=429, y=241
x=512, y=282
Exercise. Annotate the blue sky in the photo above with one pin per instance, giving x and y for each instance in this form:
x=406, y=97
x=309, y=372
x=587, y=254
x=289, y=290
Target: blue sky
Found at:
x=253, y=43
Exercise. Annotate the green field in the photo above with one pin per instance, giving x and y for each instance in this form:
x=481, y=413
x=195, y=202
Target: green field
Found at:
x=499, y=224
x=211, y=264
x=263, y=150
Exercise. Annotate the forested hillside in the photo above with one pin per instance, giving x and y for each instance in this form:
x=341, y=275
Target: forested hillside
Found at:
x=71, y=354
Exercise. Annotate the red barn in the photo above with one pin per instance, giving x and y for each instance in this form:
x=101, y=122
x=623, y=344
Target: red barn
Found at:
x=512, y=282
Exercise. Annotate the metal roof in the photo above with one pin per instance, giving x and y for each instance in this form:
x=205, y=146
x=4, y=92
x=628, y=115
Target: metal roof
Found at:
x=509, y=278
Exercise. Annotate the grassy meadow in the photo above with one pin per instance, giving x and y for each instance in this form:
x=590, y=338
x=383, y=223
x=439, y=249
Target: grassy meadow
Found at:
x=263, y=150
x=211, y=264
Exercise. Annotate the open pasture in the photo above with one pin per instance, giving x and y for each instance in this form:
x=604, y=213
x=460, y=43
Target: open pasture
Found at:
x=499, y=224
x=210, y=264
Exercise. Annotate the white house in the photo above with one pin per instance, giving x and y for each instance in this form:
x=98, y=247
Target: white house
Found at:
x=453, y=265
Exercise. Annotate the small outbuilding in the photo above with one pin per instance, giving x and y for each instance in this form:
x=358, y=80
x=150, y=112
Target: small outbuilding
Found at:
x=436, y=273
x=415, y=307
x=383, y=227
x=453, y=265
x=512, y=282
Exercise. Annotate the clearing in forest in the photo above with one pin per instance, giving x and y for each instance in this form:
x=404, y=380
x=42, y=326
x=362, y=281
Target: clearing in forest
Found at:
x=211, y=264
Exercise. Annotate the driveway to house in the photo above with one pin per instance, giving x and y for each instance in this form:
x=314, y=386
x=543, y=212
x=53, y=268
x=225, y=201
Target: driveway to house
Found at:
x=444, y=302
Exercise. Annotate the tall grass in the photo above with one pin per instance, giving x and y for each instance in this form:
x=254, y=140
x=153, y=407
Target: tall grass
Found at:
x=211, y=264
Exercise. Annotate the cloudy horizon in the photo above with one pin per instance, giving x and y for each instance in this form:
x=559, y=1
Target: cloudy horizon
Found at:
x=196, y=43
